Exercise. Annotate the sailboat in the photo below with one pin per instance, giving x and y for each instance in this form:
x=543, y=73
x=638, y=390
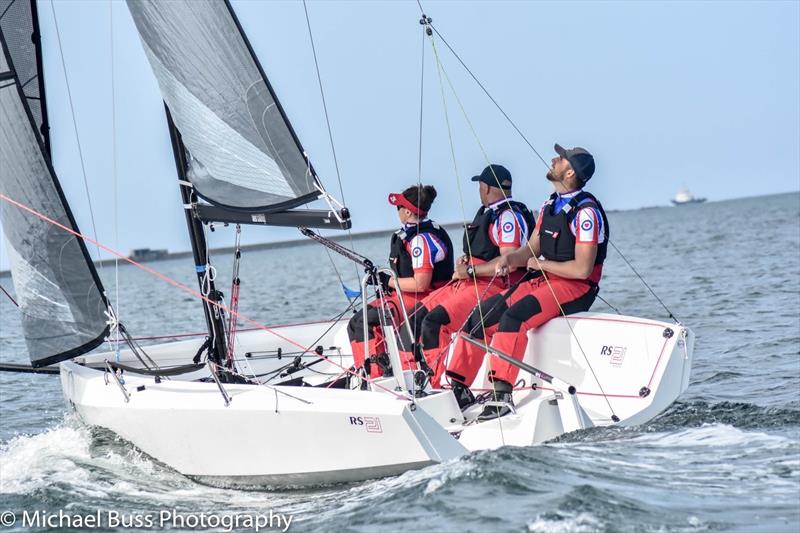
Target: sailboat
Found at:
x=239, y=414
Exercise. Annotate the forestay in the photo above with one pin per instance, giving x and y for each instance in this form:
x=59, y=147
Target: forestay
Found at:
x=58, y=291
x=241, y=150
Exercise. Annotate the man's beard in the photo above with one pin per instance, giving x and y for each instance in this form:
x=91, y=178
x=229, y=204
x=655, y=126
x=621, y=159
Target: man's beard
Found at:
x=550, y=176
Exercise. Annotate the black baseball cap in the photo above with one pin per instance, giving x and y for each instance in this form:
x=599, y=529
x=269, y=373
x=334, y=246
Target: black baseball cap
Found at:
x=495, y=176
x=580, y=159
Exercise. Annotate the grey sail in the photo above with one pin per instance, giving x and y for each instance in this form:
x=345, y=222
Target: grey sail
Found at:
x=58, y=291
x=241, y=150
x=20, y=26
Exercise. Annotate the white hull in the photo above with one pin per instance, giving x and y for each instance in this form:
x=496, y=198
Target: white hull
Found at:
x=284, y=436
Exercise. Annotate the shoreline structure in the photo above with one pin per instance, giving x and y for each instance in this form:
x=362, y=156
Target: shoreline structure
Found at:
x=364, y=235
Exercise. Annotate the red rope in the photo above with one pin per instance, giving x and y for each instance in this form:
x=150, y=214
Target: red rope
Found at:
x=232, y=321
x=176, y=284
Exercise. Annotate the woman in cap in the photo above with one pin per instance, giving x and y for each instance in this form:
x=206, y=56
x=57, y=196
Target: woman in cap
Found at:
x=421, y=256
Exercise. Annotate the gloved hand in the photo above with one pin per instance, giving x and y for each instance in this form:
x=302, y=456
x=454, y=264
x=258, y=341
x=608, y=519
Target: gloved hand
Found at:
x=380, y=279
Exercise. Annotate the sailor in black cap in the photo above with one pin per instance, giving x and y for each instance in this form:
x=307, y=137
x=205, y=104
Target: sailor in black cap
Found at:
x=564, y=261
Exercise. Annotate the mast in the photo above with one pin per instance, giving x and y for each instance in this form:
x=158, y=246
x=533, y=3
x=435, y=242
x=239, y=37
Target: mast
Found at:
x=214, y=321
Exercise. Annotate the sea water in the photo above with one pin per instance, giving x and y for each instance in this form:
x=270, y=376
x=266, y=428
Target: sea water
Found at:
x=724, y=457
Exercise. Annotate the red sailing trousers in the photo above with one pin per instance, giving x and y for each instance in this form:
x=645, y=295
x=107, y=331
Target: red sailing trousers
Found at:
x=375, y=342
x=504, y=320
x=447, y=310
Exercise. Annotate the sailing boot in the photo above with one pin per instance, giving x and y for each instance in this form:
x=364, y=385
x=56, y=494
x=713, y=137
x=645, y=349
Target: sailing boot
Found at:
x=500, y=403
x=382, y=360
x=463, y=395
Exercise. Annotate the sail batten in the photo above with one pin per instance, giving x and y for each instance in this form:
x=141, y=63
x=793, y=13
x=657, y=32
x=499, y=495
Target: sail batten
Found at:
x=59, y=294
x=241, y=151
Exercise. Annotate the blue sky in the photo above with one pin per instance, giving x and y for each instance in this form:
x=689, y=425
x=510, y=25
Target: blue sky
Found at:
x=665, y=94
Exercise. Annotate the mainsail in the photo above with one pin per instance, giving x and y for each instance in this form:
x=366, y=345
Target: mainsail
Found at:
x=58, y=291
x=241, y=150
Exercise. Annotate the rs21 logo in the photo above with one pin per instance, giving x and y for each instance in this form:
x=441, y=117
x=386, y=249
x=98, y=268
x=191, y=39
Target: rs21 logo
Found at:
x=371, y=423
x=616, y=354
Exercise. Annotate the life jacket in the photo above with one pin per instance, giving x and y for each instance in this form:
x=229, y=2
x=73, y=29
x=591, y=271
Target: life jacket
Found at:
x=477, y=243
x=401, y=260
x=556, y=241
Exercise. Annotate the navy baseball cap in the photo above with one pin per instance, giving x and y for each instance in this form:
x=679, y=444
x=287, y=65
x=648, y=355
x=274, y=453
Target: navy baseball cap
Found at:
x=580, y=159
x=495, y=176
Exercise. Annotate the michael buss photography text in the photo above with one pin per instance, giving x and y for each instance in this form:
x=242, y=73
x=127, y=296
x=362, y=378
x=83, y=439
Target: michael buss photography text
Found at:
x=105, y=519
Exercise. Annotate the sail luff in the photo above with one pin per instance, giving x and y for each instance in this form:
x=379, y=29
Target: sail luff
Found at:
x=44, y=128
x=58, y=289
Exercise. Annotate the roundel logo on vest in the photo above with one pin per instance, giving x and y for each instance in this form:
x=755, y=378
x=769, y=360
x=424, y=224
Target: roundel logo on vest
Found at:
x=417, y=251
x=586, y=225
x=507, y=227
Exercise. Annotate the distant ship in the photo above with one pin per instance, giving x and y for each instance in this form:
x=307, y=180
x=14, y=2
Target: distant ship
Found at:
x=146, y=254
x=685, y=197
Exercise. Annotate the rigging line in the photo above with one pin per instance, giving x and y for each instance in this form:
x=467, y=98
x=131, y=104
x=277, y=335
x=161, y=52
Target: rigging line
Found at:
x=608, y=304
x=423, y=22
x=421, y=107
x=524, y=138
x=13, y=301
x=235, y=289
x=335, y=321
x=114, y=165
x=75, y=127
x=330, y=257
x=485, y=91
x=530, y=247
x=327, y=121
x=671, y=315
x=178, y=285
x=443, y=351
x=439, y=70
x=256, y=383
x=335, y=268
x=209, y=277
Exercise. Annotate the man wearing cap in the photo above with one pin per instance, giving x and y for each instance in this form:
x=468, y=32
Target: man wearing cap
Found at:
x=564, y=258
x=500, y=226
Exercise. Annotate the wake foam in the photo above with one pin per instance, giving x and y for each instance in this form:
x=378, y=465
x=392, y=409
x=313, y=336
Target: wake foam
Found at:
x=32, y=462
x=566, y=523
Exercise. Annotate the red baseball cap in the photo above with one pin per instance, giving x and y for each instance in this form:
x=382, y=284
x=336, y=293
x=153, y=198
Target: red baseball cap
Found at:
x=399, y=199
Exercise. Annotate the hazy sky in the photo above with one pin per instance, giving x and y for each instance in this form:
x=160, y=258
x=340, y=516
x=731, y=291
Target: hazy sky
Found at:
x=702, y=94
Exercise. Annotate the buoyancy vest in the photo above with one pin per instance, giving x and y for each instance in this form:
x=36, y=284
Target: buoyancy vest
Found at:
x=556, y=241
x=402, y=262
x=476, y=236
